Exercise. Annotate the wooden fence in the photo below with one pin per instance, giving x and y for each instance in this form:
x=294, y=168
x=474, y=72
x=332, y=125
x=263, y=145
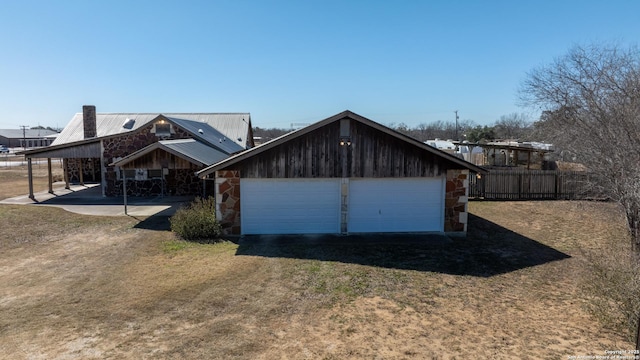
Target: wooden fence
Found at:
x=520, y=184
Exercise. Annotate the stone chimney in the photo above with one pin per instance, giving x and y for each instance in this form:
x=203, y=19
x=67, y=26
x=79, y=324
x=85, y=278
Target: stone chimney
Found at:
x=89, y=121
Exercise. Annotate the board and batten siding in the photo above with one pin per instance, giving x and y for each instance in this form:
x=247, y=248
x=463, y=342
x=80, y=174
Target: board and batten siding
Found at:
x=318, y=154
x=159, y=159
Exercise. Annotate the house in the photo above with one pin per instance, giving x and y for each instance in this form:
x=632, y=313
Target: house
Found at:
x=343, y=174
x=27, y=138
x=154, y=153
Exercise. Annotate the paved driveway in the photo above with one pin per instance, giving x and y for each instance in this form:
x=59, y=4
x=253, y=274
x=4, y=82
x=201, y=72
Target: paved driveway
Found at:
x=88, y=200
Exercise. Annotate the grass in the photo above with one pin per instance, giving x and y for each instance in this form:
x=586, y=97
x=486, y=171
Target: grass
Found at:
x=14, y=179
x=82, y=287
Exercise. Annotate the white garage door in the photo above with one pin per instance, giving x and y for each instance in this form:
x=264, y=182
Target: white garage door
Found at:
x=290, y=206
x=396, y=205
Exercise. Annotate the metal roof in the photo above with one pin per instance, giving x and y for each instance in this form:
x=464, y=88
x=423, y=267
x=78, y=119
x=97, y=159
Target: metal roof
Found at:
x=232, y=126
x=204, y=131
x=189, y=149
x=345, y=114
x=29, y=133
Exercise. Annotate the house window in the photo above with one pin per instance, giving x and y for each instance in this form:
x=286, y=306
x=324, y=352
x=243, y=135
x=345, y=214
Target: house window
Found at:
x=163, y=129
x=154, y=173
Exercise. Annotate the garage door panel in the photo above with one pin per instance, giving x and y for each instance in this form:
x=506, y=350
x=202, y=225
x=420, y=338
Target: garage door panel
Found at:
x=396, y=205
x=290, y=206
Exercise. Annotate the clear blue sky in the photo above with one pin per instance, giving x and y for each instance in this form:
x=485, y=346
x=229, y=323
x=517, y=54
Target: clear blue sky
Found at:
x=289, y=61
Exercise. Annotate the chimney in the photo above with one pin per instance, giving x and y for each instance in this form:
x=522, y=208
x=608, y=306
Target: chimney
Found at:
x=89, y=121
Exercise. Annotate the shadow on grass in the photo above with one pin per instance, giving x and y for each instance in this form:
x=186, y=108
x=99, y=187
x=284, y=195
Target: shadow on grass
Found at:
x=488, y=250
x=159, y=221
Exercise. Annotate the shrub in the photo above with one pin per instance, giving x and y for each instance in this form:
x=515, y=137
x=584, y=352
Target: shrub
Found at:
x=197, y=221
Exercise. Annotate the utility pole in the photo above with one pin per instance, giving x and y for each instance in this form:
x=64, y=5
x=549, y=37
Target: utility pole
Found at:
x=24, y=136
x=457, y=138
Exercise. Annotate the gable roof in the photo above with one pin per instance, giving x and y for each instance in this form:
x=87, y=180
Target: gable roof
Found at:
x=345, y=114
x=191, y=150
x=231, y=126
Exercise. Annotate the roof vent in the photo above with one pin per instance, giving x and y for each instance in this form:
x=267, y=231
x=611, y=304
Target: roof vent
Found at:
x=240, y=139
x=200, y=131
x=128, y=124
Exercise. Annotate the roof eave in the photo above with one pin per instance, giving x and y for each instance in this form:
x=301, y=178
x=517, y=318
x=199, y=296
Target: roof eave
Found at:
x=45, y=149
x=345, y=114
x=150, y=148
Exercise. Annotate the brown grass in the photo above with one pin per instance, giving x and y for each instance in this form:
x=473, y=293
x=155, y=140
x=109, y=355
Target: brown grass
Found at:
x=78, y=287
x=14, y=179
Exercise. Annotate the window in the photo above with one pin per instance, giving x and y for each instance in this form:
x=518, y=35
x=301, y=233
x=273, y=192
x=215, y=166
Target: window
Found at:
x=163, y=129
x=154, y=173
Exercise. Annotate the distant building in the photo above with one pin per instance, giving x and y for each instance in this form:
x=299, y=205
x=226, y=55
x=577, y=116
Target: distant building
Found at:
x=444, y=145
x=31, y=138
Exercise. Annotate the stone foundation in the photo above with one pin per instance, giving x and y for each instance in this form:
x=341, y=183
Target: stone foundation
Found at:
x=227, y=186
x=456, y=201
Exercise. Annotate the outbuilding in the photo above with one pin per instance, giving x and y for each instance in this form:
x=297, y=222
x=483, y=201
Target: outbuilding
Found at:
x=343, y=174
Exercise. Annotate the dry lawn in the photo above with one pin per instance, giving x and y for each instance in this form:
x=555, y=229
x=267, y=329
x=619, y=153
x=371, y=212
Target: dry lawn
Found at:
x=80, y=287
x=14, y=180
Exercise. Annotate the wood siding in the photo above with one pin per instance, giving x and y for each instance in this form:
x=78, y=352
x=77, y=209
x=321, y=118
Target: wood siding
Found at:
x=318, y=154
x=159, y=159
x=91, y=150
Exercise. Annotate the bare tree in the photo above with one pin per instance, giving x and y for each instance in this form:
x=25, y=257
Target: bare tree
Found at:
x=590, y=103
x=512, y=126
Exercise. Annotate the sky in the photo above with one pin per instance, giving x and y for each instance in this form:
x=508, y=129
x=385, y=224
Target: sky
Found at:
x=290, y=62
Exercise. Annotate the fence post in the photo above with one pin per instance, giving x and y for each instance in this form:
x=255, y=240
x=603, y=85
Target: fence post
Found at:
x=519, y=186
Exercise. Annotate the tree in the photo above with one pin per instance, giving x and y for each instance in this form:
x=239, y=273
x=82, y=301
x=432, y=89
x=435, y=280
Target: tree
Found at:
x=512, y=126
x=590, y=103
x=480, y=134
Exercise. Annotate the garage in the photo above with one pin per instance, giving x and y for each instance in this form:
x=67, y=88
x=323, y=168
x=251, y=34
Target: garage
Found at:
x=396, y=205
x=290, y=206
x=344, y=174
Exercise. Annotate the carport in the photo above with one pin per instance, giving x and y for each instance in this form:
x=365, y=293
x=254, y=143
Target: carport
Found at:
x=83, y=153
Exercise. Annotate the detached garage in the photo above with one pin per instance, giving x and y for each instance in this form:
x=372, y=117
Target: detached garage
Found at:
x=344, y=174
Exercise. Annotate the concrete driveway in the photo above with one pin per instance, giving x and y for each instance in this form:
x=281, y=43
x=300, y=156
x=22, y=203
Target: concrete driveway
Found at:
x=88, y=200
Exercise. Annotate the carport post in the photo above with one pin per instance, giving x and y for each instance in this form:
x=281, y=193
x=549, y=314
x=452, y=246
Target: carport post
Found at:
x=50, y=176
x=81, y=173
x=65, y=167
x=124, y=190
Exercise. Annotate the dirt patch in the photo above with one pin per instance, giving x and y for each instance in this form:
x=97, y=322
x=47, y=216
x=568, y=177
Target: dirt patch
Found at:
x=105, y=289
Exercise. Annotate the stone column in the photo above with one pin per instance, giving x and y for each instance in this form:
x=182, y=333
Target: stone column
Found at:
x=456, y=202
x=227, y=190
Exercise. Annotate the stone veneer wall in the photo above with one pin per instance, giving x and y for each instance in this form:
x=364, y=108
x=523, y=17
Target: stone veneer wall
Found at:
x=227, y=186
x=90, y=170
x=179, y=182
x=456, y=201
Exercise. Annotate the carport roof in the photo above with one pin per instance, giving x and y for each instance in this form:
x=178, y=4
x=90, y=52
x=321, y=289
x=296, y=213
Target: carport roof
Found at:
x=189, y=149
x=345, y=114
